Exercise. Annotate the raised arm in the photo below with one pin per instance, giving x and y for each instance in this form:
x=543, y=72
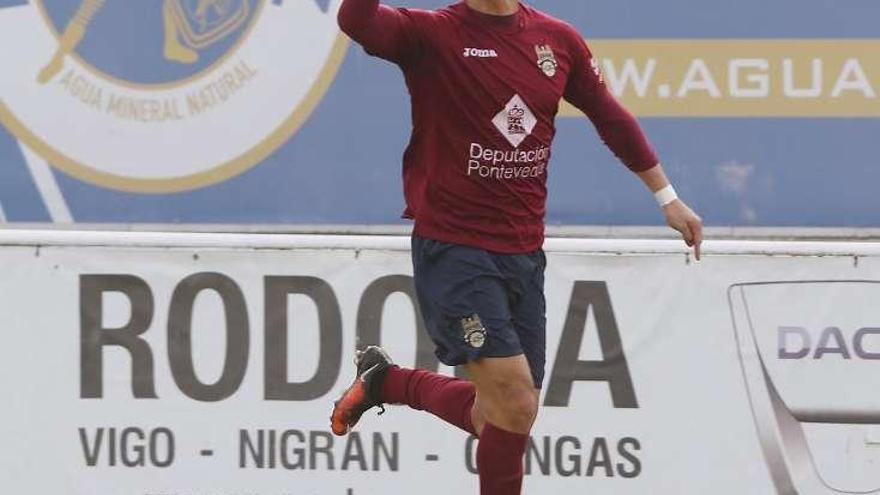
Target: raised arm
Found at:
x=622, y=133
x=383, y=31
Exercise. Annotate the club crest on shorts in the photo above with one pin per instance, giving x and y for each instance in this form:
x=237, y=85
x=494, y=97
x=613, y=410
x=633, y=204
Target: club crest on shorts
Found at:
x=473, y=331
x=546, y=60
x=164, y=95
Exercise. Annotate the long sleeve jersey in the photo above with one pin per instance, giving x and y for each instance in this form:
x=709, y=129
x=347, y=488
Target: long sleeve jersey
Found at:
x=485, y=91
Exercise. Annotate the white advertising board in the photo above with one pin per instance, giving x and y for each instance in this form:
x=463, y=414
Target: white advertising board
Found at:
x=160, y=364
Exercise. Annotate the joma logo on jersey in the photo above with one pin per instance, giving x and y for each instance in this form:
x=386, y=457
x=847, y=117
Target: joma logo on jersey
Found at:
x=143, y=114
x=797, y=343
x=480, y=53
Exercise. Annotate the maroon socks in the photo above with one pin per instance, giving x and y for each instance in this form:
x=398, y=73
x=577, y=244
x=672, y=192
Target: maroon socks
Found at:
x=500, y=461
x=450, y=399
x=499, y=452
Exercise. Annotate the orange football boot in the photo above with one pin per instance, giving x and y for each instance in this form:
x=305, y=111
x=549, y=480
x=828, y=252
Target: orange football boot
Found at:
x=366, y=391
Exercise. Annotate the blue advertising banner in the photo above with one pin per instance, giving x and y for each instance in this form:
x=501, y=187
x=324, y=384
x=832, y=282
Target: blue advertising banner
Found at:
x=262, y=112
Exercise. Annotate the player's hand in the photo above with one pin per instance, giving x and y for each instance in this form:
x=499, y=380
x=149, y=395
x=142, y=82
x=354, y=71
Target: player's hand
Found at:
x=681, y=218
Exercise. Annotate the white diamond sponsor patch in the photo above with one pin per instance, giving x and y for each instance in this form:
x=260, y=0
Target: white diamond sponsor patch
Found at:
x=515, y=121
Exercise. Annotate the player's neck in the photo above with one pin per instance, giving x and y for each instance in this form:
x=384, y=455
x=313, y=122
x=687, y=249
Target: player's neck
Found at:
x=494, y=7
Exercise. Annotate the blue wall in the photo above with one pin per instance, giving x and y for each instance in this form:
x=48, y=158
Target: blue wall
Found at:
x=343, y=166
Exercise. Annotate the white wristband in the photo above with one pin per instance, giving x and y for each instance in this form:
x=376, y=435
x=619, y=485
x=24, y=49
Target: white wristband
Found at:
x=666, y=195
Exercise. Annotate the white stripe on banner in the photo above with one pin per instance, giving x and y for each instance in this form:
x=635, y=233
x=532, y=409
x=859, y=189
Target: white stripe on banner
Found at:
x=2, y=214
x=48, y=186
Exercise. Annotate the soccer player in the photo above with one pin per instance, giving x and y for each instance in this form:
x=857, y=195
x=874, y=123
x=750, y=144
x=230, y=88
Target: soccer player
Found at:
x=485, y=79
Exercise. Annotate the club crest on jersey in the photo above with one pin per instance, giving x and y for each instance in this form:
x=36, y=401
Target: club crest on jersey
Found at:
x=546, y=60
x=164, y=95
x=473, y=331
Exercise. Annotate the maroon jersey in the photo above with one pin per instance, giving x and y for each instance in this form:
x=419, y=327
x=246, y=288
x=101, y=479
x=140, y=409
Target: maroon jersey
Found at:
x=485, y=91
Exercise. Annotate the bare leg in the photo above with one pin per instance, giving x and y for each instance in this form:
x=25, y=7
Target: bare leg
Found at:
x=506, y=396
x=504, y=411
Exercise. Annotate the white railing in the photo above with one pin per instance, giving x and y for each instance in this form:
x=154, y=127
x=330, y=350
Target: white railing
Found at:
x=73, y=238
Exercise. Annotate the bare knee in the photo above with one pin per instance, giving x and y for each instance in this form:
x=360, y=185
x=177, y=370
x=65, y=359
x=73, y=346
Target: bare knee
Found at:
x=506, y=396
x=511, y=405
